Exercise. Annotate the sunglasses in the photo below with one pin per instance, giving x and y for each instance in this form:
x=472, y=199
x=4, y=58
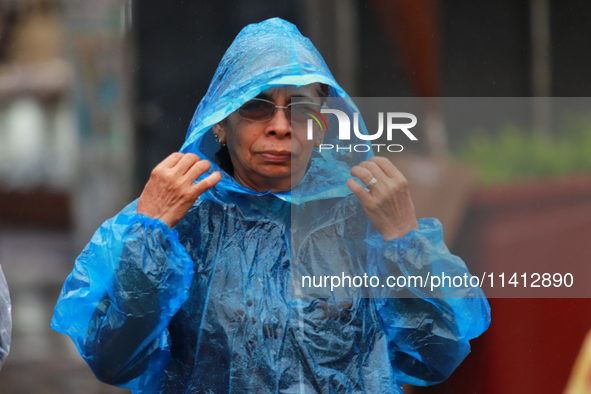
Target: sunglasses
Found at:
x=261, y=110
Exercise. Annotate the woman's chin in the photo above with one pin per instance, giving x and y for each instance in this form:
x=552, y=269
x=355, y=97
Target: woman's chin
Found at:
x=275, y=171
x=274, y=177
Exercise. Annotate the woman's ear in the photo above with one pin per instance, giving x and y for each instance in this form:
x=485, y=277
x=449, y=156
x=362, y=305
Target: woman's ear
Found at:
x=319, y=138
x=219, y=129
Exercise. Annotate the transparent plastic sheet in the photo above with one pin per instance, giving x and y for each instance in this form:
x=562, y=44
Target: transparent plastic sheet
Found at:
x=5, y=319
x=208, y=305
x=333, y=241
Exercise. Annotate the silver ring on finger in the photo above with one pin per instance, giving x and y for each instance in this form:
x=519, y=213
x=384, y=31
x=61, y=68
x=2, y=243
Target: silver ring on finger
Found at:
x=371, y=184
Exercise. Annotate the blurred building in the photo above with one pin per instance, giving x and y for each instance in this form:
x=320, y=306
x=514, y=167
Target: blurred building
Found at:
x=66, y=164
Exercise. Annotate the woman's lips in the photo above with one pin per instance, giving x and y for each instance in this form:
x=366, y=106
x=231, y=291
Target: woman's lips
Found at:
x=276, y=156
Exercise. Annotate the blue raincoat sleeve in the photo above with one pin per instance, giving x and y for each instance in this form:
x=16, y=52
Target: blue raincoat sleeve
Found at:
x=117, y=303
x=5, y=319
x=428, y=329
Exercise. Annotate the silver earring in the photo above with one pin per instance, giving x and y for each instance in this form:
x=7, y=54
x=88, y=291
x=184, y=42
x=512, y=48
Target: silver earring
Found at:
x=217, y=138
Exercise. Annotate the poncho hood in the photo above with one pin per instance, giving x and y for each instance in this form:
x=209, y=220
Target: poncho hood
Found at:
x=264, y=55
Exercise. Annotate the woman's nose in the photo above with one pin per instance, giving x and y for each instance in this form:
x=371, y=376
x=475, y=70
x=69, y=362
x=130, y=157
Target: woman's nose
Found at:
x=279, y=125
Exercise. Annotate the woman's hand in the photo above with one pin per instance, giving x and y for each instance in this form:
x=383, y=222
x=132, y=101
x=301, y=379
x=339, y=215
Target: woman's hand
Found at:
x=388, y=202
x=170, y=193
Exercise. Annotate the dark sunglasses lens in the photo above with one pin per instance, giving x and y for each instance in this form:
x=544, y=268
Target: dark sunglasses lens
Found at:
x=257, y=110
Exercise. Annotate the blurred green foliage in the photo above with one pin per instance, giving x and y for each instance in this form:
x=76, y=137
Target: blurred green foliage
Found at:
x=516, y=154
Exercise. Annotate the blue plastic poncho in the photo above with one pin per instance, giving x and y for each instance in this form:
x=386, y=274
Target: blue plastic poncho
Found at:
x=209, y=306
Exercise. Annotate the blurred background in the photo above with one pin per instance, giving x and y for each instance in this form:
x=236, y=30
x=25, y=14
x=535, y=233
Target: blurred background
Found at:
x=93, y=94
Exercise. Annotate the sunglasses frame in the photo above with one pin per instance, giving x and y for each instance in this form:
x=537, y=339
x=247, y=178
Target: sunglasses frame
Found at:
x=284, y=107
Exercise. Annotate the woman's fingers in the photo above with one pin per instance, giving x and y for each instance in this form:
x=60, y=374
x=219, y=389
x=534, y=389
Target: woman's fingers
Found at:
x=206, y=183
x=362, y=173
x=185, y=163
x=386, y=166
x=196, y=170
x=170, y=193
x=359, y=191
x=388, y=203
x=375, y=170
x=388, y=177
x=171, y=160
x=378, y=170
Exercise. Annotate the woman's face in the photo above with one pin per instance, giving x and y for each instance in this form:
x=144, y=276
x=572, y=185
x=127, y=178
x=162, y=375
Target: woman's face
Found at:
x=273, y=154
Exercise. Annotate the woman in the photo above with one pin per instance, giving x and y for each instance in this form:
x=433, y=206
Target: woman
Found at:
x=193, y=288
